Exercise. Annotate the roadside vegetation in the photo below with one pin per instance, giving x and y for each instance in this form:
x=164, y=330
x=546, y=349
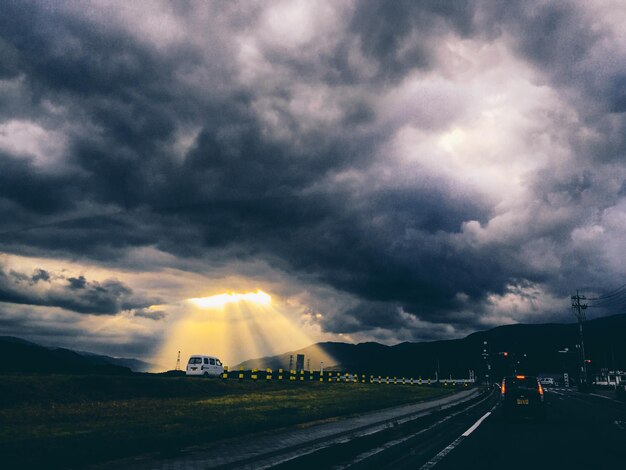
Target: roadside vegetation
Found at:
x=74, y=420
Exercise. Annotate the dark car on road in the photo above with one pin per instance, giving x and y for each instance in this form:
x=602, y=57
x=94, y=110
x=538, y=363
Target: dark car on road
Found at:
x=522, y=396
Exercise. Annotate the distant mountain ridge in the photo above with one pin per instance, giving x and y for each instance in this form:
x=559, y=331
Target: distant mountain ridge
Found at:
x=136, y=365
x=532, y=348
x=20, y=356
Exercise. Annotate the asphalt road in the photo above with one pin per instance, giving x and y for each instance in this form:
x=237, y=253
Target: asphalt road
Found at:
x=582, y=432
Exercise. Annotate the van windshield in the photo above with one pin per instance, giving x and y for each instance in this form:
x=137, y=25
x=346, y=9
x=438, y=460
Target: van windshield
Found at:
x=195, y=360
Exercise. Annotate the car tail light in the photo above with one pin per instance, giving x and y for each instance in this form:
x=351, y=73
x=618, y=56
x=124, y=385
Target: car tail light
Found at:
x=540, y=389
x=520, y=377
x=503, y=387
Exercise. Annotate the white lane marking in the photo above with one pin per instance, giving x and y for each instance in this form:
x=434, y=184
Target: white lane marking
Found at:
x=601, y=396
x=435, y=460
x=432, y=462
x=476, y=424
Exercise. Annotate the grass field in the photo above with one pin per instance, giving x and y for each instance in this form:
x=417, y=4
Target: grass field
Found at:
x=74, y=420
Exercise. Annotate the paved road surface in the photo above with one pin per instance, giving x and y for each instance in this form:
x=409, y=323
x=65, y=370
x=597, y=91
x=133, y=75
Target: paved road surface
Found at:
x=582, y=432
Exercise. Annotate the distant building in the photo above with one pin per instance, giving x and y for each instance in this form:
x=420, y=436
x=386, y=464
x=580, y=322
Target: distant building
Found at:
x=300, y=362
x=610, y=378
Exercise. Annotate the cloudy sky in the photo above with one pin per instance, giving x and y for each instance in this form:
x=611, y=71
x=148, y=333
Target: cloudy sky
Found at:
x=387, y=171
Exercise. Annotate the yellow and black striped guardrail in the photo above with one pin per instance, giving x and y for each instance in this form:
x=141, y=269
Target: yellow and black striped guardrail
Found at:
x=281, y=375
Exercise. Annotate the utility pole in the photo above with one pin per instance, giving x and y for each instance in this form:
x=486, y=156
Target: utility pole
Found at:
x=579, y=311
x=178, y=362
x=291, y=362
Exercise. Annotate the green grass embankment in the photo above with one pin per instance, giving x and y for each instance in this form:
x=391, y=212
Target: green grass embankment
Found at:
x=74, y=420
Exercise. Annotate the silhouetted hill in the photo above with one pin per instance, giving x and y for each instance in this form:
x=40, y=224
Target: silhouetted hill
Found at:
x=135, y=365
x=13, y=339
x=530, y=349
x=20, y=356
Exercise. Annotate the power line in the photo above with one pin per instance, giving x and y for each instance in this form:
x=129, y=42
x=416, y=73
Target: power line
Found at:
x=617, y=292
x=610, y=300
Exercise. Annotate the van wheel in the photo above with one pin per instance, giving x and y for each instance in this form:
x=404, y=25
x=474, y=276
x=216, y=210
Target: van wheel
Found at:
x=206, y=375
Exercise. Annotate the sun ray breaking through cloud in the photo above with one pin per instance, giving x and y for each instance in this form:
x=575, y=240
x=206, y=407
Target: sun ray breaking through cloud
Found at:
x=234, y=327
x=220, y=300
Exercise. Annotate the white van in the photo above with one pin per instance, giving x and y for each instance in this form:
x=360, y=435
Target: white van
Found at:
x=207, y=366
x=549, y=381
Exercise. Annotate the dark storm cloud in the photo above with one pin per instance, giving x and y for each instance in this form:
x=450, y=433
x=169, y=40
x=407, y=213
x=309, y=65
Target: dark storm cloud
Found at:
x=33, y=191
x=32, y=324
x=150, y=314
x=238, y=188
x=580, y=56
x=559, y=37
x=400, y=35
x=349, y=252
x=76, y=294
x=40, y=275
x=365, y=316
x=120, y=87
